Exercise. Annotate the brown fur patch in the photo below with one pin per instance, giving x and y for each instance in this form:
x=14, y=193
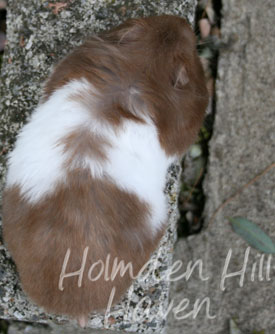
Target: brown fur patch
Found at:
x=112, y=112
x=149, y=54
x=83, y=212
x=83, y=143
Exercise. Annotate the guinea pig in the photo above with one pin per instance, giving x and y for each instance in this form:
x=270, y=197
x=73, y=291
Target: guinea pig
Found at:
x=85, y=182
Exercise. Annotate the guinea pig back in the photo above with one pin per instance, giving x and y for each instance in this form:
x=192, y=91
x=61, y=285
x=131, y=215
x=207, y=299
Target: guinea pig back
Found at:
x=86, y=178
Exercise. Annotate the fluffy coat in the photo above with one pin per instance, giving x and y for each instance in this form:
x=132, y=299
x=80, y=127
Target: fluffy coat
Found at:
x=88, y=170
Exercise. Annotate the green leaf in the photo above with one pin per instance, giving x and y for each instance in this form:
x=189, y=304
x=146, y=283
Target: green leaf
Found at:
x=207, y=53
x=253, y=234
x=234, y=328
x=195, y=151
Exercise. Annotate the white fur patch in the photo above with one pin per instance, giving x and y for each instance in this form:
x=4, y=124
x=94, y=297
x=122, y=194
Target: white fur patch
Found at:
x=36, y=162
x=136, y=162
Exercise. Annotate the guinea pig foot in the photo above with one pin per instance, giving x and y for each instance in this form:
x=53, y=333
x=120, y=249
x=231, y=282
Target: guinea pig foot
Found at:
x=82, y=321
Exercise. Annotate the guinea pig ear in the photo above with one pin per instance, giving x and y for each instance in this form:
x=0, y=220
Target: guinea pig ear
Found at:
x=181, y=77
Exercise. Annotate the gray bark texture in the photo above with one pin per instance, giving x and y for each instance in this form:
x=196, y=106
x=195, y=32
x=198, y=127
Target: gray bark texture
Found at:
x=40, y=33
x=242, y=146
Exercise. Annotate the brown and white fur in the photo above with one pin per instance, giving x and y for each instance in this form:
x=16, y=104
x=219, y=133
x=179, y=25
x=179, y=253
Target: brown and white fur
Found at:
x=88, y=170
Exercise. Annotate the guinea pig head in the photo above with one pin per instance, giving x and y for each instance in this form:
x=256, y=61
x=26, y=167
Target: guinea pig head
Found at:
x=164, y=67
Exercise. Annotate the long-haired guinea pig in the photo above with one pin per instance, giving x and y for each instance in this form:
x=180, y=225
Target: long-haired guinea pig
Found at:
x=85, y=184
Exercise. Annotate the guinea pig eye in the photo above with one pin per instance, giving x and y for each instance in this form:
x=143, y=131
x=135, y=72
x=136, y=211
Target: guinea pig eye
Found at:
x=180, y=78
